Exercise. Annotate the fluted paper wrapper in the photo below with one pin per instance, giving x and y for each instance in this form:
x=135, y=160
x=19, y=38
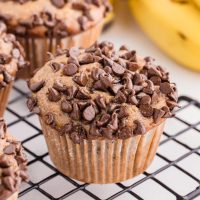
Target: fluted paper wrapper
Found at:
x=36, y=48
x=102, y=161
x=4, y=94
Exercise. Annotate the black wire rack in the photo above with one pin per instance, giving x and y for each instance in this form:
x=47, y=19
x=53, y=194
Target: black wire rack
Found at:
x=174, y=174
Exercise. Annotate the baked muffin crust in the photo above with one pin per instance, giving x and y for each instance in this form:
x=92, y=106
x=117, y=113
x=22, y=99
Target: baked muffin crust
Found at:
x=101, y=92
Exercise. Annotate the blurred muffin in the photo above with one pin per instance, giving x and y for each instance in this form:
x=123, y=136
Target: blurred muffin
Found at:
x=43, y=25
x=11, y=59
x=102, y=111
x=110, y=17
x=13, y=169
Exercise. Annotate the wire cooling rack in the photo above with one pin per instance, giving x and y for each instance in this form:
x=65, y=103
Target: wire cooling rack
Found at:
x=174, y=173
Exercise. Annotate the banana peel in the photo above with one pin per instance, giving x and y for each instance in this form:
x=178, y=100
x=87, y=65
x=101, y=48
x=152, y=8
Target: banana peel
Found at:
x=174, y=25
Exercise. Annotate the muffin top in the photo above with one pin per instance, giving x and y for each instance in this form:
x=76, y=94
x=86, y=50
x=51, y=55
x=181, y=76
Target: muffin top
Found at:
x=11, y=56
x=100, y=92
x=13, y=169
x=40, y=18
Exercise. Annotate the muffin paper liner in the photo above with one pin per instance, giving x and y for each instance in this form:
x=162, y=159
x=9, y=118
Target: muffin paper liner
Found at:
x=36, y=48
x=4, y=94
x=102, y=160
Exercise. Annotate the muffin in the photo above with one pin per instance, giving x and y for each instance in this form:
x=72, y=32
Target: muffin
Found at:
x=11, y=59
x=43, y=25
x=13, y=169
x=102, y=111
x=110, y=17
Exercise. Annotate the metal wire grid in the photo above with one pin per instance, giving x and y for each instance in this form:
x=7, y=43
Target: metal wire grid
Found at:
x=24, y=117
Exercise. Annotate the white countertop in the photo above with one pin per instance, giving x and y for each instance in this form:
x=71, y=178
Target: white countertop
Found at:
x=126, y=31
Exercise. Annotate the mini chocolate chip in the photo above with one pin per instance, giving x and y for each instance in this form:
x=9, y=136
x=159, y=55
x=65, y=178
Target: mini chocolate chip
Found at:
x=53, y=95
x=49, y=119
x=146, y=110
x=103, y=120
x=35, y=87
x=116, y=87
x=157, y=115
x=9, y=150
x=66, y=129
x=74, y=52
x=89, y=113
x=156, y=80
x=70, y=69
x=101, y=101
x=154, y=98
x=137, y=79
x=94, y=131
x=120, y=98
x=86, y=58
x=3, y=128
x=123, y=112
x=83, y=94
x=114, y=122
x=118, y=70
x=137, y=88
x=73, y=60
x=167, y=112
x=59, y=86
x=106, y=80
x=107, y=132
x=154, y=72
x=96, y=72
x=55, y=66
x=145, y=100
x=50, y=56
x=139, y=129
x=81, y=79
x=125, y=133
x=75, y=114
x=66, y=106
x=75, y=137
x=150, y=87
x=58, y=3
x=166, y=88
x=172, y=104
x=133, y=100
x=71, y=92
x=123, y=47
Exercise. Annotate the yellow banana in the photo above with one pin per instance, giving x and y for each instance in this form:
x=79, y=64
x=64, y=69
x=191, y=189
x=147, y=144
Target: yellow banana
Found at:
x=110, y=16
x=174, y=25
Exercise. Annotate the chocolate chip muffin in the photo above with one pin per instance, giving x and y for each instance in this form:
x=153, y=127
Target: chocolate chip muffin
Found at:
x=42, y=25
x=11, y=59
x=102, y=111
x=13, y=169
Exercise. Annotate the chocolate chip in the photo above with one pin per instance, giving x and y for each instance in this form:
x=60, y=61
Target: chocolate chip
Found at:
x=66, y=106
x=106, y=80
x=123, y=47
x=146, y=110
x=83, y=94
x=74, y=52
x=120, y=98
x=101, y=101
x=9, y=150
x=154, y=72
x=149, y=89
x=9, y=183
x=59, y=86
x=145, y=100
x=94, y=131
x=166, y=88
x=53, y=95
x=107, y=133
x=157, y=115
x=35, y=87
x=156, y=80
x=70, y=69
x=4, y=162
x=3, y=128
x=66, y=129
x=125, y=133
x=89, y=113
x=103, y=120
x=49, y=119
x=55, y=66
x=154, y=98
x=86, y=58
x=116, y=87
x=58, y=3
x=137, y=79
x=139, y=129
x=172, y=104
x=133, y=100
x=31, y=103
x=137, y=88
x=75, y=114
x=71, y=92
x=81, y=79
x=114, y=122
x=73, y=60
x=118, y=70
x=79, y=6
x=133, y=66
x=5, y=59
x=167, y=112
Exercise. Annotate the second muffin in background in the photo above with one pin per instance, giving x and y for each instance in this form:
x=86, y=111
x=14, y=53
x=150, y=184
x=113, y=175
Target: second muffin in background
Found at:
x=42, y=25
x=102, y=111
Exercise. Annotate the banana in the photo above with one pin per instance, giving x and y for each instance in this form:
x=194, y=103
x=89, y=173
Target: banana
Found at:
x=174, y=25
x=110, y=16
